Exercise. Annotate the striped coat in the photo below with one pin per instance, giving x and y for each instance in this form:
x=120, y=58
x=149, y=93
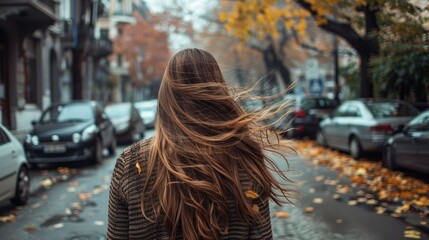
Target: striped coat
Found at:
x=126, y=220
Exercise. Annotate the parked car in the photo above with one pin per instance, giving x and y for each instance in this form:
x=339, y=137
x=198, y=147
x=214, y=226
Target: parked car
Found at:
x=14, y=175
x=74, y=131
x=306, y=114
x=359, y=126
x=127, y=121
x=148, y=111
x=409, y=147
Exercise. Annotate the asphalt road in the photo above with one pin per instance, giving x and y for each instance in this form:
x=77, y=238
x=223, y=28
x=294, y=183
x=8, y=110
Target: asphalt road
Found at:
x=71, y=203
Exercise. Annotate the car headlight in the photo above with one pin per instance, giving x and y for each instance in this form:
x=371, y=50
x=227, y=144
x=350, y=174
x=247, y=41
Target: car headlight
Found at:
x=122, y=126
x=28, y=139
x=89, y=132
x=76, y=138
x=35, y=140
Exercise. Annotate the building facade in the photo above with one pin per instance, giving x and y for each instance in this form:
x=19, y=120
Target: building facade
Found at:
x=45, y=45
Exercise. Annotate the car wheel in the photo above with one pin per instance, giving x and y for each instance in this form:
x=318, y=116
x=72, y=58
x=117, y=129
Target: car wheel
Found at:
x=320, y=139
x=355, y=148
x=113, y=145
x=22, y=189
x=389, y=159
x=98, y=152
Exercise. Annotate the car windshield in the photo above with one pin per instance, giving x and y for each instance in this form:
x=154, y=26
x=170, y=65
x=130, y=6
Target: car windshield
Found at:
x=317, y=103
x=77, y=112
x=118, y=111
x=391, y=109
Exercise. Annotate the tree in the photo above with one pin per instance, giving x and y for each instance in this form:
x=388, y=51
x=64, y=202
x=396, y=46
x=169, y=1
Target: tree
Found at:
x=145, y=47
x=357, y=22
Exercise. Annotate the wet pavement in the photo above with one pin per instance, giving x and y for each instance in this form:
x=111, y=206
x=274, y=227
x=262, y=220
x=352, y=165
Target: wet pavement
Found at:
x=71, y=203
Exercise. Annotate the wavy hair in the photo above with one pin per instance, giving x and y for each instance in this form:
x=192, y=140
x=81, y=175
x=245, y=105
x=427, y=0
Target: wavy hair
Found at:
x=203, y=140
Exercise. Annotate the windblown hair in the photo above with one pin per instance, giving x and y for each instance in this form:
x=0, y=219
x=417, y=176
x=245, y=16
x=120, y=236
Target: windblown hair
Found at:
x=203, y=140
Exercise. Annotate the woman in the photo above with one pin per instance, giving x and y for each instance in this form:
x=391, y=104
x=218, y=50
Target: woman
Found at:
x=204, y=174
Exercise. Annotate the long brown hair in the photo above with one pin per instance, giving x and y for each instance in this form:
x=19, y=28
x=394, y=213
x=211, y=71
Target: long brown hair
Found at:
x=203, y=141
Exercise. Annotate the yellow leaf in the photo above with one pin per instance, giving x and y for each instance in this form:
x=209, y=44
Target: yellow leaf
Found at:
x=318, y=200
x=255, y=208
x=30, y=228
x=308, y=209
x=280, y=214
x=138, y=167
x=251, y=194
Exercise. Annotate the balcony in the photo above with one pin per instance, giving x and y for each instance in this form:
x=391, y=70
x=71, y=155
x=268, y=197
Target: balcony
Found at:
x=121, y=17
x=66, y=34
x=31, y=14
x=101, y=48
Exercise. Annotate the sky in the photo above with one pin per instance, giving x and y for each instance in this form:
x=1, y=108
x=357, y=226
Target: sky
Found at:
x=196, y=10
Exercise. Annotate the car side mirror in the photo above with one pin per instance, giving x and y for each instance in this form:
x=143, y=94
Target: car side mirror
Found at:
x=34, y=122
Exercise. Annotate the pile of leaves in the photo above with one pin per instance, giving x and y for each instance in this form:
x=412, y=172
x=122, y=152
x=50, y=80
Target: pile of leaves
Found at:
x=408, y=193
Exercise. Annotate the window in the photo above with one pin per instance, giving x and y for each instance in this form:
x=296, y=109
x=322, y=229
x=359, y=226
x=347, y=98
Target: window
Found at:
x=3, y=137
x=120, y=31
x=119, y=60
x=104, y=33
x=342, y=111
x=30, y=71
x=119, y=7
x=420, y=123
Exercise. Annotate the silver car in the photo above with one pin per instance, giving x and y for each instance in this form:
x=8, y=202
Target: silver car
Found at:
x=364, y=125
x=14, y=172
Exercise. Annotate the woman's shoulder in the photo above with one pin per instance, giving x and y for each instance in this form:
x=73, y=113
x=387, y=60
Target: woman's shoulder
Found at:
x=132, y=160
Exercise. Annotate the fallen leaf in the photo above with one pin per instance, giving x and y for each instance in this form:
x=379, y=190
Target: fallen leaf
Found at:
x=309, y=209
x=139, y=169
x=339, y=221
x=361, y=200
x=280, y=214
x=412, y=234
x=71, y=189
x=336, y=196
x=99, y=223
x=251, y=194
x=311, y=190
x=352, y=202
x=74, y=184
x=36, y=205
x=255, y=208
x=423, y=223
x=84, y=196
x=9, y=218
x=67, y=211
x=58, y=225
x=380, y=210
x=30, y=228
x=47, y=183
x=371, y=202
x=318, y=200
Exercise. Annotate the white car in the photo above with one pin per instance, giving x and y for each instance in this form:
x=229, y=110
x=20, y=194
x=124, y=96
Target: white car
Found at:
x=14, y=171
x=148, y=110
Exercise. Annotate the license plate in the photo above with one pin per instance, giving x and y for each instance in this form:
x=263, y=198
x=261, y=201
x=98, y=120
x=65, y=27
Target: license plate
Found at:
x=55, y=148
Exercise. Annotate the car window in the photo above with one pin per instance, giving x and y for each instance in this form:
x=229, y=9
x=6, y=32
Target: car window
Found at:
x=420, y=123
x=391, y=109
x=118, y=111
x=342, y=110
x=3, y=137
x=77, y=112
x=317, y=103
x=353, y=111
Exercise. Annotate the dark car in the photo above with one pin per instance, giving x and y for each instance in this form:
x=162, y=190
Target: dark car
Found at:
x=75, y=131
x=127, y=121
x=364, y=125
x=306, y=114
x=410, y=147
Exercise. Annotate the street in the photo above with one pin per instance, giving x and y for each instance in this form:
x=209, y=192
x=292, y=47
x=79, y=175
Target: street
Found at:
x=71, y=203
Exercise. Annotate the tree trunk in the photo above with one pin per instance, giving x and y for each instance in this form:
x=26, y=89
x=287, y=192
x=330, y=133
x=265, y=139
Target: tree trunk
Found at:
x=365, y=82
x=77, y=75
x=274, y=63
x=420, y=93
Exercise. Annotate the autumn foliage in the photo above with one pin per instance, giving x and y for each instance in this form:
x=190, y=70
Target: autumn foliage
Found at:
x=144, y=47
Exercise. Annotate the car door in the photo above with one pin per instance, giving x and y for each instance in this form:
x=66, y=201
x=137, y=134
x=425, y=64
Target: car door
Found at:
x=332, y=129
x=410, y=145
x=421, y=142
x=8, y=163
